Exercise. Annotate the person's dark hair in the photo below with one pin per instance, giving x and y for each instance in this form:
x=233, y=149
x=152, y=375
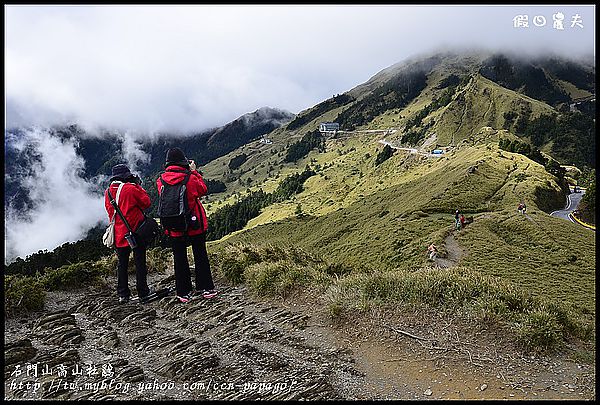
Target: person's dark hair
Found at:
x=175, y=156
x=120, y=172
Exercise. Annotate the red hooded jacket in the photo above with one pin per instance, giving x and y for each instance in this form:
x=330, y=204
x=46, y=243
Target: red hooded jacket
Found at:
x=132, y=201
x=195, y=189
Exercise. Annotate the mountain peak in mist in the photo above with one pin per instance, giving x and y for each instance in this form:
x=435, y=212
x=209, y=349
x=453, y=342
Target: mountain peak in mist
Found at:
x=277, y=115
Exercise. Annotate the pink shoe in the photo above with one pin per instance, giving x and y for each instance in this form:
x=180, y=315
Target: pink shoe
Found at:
x=209, y=293
x=184, y=299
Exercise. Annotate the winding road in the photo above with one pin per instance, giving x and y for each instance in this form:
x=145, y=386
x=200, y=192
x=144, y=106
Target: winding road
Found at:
x=573, y=200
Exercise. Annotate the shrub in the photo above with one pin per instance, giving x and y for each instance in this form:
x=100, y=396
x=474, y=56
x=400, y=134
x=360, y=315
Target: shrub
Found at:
x=73, y=275
x=384, y=155
x=237, y=161
x=232, y=269
x=310, y=141
x=22, y=294
x=540, y=331
x=280, y=278
x=337, y=269
x=215, y=186
x=235, y=261
x=157, y=260
x=335, y=310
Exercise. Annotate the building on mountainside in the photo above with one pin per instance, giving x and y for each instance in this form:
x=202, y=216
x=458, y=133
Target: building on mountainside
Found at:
x=265, y=140
x=329, y=127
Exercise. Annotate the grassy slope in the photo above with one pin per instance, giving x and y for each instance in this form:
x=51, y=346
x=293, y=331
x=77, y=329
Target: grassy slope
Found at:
x=481, y=103
x=549, y=256
x=573, y=91
x=384, y=217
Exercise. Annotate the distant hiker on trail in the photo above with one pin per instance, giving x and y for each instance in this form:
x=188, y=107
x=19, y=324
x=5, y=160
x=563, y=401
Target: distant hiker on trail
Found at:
x=522, y=207
x=462, y=221
x=457, y=220
x=184, y=221
x=433, y=250
x=126, y=191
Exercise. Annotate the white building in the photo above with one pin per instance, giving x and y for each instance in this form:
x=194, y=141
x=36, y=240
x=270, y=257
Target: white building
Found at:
x=265, y=140
x=329, y=127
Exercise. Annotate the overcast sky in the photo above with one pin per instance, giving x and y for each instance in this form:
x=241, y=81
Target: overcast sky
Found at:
x=190, y=67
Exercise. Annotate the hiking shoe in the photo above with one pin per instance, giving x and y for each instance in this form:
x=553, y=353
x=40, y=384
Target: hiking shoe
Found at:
x=146, y=298
x=123, y=300
x=184, y=298
x=209, y=293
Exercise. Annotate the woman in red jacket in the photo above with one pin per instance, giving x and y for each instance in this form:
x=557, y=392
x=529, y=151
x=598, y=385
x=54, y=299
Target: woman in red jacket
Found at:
x=178, y=167
x=131, y=199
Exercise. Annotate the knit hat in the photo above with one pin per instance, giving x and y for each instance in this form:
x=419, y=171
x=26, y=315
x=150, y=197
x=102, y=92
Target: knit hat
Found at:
x=120, y=172
x=175, y=156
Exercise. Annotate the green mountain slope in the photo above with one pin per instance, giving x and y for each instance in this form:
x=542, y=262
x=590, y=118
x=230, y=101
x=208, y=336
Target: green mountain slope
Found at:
x=384, y=216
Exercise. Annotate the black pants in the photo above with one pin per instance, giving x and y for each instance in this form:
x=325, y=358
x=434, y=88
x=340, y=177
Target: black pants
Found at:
x=183, y=281
x=141, y=284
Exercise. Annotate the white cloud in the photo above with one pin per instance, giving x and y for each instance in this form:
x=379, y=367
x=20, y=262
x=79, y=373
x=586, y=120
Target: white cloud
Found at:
x=132, y=151
x=191, y=67
x=65, y=206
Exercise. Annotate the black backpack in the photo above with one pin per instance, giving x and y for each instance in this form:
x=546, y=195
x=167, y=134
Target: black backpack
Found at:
x=173, y=209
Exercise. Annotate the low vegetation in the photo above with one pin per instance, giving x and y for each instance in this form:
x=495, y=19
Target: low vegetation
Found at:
x=275, y=270
x=387, y=216
x=541, y=253
x=367, y=216
x=438, y=102
x=537, y=324
x=312, y=140
x=233, y=217
x=397, y=93
x=384, y=155
x=22, y=294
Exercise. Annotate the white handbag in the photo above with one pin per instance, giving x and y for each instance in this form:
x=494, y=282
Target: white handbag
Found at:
x=109, y=235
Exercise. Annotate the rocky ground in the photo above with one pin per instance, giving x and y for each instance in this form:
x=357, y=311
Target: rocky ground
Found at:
x=87, y=346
